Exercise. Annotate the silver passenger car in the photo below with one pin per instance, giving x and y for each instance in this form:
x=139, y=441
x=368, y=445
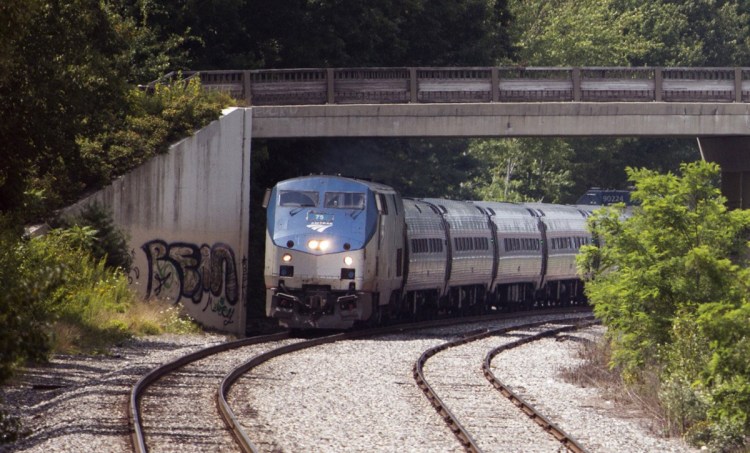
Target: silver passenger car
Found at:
x=471, y=251
x=519, y=240
x=566, y=233
x=427, y=248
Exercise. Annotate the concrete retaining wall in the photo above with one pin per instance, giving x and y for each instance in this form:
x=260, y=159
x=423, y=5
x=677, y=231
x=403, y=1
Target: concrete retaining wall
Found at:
x=187, y=215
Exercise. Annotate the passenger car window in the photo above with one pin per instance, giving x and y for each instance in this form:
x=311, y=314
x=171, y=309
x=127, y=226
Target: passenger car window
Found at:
x=298, y=198
x=345, y=200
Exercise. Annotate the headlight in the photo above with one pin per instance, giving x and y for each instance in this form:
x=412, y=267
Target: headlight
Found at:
x=348, y=260
x=286, y=258
x=319, y=244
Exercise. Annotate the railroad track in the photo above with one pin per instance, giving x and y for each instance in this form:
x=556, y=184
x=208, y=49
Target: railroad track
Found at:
x=157, y=411
x=478, y=417
x=252, y=427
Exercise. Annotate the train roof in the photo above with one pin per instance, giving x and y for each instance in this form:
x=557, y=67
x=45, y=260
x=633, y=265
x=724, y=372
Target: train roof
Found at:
x=452, y=206
x=332, y=183
x=557, y=211
x=504, y=209
x=419, y=206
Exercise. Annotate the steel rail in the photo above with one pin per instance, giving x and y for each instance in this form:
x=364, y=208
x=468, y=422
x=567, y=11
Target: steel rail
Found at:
x=134, y=409
x=230, y=418
x=566, y=439
x=464, y=437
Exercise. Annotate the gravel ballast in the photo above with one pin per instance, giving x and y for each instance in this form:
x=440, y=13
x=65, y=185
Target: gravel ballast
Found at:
x=348, y=396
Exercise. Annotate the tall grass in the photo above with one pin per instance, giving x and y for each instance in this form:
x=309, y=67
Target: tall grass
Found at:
x=596, y=371
x=59, y=298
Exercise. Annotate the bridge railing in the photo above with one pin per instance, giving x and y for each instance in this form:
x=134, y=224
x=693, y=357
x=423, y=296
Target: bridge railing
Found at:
x=479, y=84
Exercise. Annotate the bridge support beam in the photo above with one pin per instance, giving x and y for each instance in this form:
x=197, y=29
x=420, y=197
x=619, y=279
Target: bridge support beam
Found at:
x=733, y=155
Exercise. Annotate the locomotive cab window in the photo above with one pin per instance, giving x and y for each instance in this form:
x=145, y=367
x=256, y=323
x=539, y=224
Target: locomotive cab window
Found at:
x=298, y=198
x=345, y=200
x=381, y=204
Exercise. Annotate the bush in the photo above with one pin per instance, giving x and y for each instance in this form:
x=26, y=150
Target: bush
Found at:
x=100, y=237
x=155, y=120
x=23, y=310
x=673, y=289
x=58, y=297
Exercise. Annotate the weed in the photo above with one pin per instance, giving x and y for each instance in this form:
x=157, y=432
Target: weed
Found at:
x=596, y=371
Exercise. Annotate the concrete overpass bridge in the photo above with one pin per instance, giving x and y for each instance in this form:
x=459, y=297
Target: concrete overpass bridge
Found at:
x=711, y=104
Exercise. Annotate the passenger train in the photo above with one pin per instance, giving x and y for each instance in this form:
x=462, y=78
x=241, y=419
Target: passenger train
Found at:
x=342, y=251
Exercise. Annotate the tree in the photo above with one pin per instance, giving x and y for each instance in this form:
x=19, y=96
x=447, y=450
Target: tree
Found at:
x=522, y=169
x=671, y=285
x=172, y=35
x=244, y=34
x=695, y=33
x=150, y=53
x=578, y=33
x=64, y=79
x=631, y=32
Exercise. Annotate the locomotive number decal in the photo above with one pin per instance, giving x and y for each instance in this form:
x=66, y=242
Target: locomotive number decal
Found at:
x=319, y=222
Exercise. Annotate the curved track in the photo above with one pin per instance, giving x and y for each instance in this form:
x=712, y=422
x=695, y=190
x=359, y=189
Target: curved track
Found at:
x=325, y=430
x=134, y=408
x=569, y=442
x=160, y=431
x=477, y=418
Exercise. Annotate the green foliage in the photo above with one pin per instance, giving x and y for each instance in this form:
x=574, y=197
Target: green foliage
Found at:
x=579, y=33
x=47, y=279
x=62, y=78
x=98, y=234
x=150, y=53
x=22, y=313
x=631, y=32
x=671, y=284
x=81, y=286
x=58, y=297
x=155, y=120
x=71, y=122
x=173, y=321
x=723, y=378
x=331, y=33
x=522, y=169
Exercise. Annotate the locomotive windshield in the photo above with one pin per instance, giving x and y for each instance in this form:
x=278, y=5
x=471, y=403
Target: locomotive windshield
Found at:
x=298, y=198
x=345, y=200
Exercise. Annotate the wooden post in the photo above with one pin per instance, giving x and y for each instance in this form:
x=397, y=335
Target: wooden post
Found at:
x=576, y=84
x=247, y=91
x=495, y=85
x=658, y=84
x=413, y=85
x=331, y=97
x=737, y=84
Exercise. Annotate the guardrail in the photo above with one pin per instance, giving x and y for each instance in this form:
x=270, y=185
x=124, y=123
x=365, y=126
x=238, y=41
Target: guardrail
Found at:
x=478, y=84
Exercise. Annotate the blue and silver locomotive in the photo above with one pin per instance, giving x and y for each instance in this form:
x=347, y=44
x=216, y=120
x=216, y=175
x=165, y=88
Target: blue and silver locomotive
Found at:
x=341, y=251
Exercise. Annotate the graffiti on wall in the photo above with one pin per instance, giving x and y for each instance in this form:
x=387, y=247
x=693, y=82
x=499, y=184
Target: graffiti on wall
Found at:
x=180, y=270
x=134, y=273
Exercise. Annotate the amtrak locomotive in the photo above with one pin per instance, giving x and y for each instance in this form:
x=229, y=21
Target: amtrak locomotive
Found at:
x=341, y=251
